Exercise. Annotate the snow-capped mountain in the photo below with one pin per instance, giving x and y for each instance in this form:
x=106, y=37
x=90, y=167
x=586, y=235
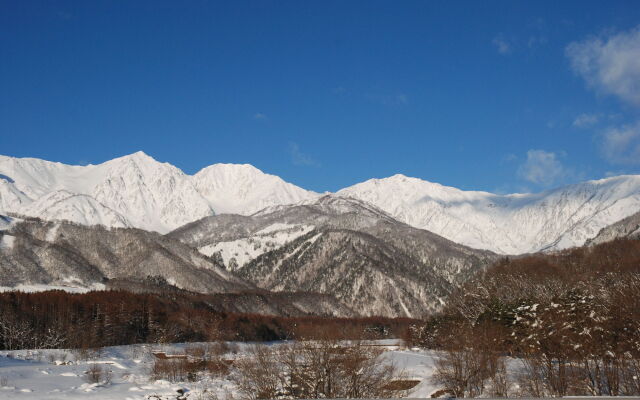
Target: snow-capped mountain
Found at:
x=508, y=224
x=243, y=189
x=136, y=191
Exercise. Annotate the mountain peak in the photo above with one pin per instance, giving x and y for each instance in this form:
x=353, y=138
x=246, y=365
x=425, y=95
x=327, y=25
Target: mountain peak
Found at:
x=228, y=168
x=138, y=156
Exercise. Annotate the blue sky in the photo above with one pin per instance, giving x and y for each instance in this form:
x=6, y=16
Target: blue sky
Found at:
x=499, y=96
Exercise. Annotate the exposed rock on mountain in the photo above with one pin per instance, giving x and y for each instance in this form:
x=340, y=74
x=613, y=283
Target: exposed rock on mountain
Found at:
x=626, y=228
x=60, y=253
x=339, y=246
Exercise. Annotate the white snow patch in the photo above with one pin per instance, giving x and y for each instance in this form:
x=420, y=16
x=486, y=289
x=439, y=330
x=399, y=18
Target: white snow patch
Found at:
x=246, y=249
x=6, y=241
x=37, y=287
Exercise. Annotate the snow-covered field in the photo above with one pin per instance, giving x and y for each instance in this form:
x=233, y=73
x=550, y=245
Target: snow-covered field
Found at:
x=61, y=374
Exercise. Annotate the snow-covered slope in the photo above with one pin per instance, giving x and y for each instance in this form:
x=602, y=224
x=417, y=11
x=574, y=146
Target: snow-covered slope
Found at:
x=136, y=191
x=508, y=224
x=244, y=189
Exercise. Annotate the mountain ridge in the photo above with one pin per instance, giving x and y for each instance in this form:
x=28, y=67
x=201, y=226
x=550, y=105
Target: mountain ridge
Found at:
x=138, y=191
x=341, y=247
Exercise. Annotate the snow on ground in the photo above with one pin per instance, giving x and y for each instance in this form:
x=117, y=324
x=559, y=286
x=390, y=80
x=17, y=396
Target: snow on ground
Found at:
x=60, y=374
x=72, y=287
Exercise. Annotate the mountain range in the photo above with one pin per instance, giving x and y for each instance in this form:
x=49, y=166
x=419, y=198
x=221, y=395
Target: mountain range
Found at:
x=140, y=192
x=254, y=243
x=37, y=254
x=136, y=191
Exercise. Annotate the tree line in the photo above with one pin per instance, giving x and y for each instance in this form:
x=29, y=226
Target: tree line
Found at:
x=57, y=319
x=572, y=318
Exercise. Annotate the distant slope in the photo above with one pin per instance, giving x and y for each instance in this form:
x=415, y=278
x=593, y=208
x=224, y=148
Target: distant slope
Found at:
x=626, y=228
x=508, y=224
x=342, y=247
x=58, y=253
x=286, y=304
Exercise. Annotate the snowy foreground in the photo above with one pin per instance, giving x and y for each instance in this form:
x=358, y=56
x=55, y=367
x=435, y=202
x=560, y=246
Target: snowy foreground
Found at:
x=61, y=374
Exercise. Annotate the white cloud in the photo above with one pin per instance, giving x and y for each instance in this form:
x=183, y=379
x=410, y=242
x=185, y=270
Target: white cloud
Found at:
x=621, y=145
x=609, y=174
x=502, y=45
x=610, y=63
x=586, y=120
x=259, y=116
x=299, y=158
x=542, y=168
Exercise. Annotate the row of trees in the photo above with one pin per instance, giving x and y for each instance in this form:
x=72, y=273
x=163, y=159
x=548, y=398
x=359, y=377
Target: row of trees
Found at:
x=572, y=319
x=57, y=319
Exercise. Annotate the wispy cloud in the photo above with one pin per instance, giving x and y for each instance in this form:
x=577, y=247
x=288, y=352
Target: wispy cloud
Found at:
x=398, y=99
x=609, y=174
x=509, y=158
x=300, y=158
x=259, y=116
x=621, y=145
x=543, y=168
x=502, y=45
x=64, y=15
x=586, y=120
x=537, y=33
x=338, y=90
x=609, y=63
x=536, y=40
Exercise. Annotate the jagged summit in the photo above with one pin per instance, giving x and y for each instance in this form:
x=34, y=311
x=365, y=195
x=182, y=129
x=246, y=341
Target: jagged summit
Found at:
x=137, y=191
